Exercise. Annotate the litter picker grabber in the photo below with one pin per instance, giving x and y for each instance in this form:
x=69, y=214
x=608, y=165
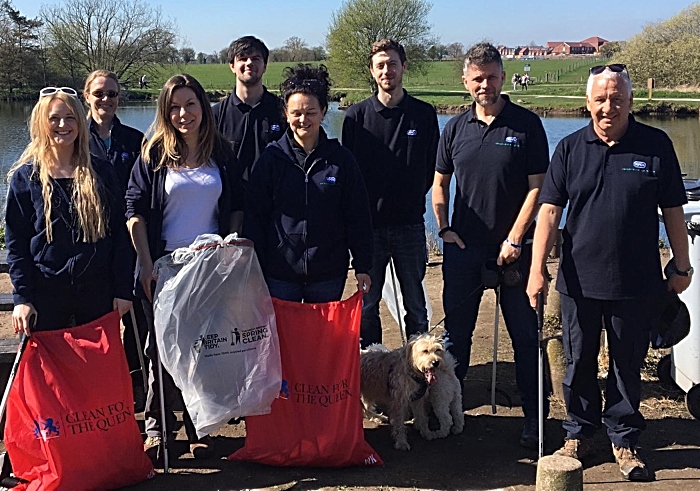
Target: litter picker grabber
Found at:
x=24, y=339
x=163, y=424
x=540, y=374
x=5, y=467
x=497, y=290
x=139, y=349
x=396, y=300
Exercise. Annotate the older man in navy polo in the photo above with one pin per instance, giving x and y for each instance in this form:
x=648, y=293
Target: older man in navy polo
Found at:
x=498, y=153
x=614, y=174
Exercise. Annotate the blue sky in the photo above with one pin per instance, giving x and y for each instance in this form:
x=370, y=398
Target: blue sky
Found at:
x=210, y=25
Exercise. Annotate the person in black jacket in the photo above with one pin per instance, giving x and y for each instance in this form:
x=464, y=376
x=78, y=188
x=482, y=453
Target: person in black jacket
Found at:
x=181, y=186
x=250, y=117
x=306, y=202
x=68, y=247
x=119, y=144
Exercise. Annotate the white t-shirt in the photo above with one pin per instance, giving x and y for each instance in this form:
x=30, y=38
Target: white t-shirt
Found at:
x=191, y=204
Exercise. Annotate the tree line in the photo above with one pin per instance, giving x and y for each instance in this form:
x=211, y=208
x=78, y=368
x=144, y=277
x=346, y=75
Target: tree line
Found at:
x=131, y=38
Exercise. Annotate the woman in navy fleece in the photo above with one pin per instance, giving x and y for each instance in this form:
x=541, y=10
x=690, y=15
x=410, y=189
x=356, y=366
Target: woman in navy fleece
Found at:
x=306, y=202
x=68, y=247
x=184, y=184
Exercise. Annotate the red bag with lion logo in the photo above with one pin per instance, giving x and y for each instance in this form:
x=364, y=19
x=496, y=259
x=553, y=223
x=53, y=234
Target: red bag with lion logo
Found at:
x=70, y=414
x=317, y=420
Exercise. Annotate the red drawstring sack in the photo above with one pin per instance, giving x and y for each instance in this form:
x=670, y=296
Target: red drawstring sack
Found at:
x=317, y=420
x=70, y=414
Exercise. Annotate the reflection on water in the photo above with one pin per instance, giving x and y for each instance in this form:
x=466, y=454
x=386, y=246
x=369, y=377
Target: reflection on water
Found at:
x=14, y=135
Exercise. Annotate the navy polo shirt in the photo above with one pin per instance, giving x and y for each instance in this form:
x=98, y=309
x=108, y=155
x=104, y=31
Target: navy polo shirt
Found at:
x=610, y=249
x=250, y=128
x=491, y=164
x=395, y=149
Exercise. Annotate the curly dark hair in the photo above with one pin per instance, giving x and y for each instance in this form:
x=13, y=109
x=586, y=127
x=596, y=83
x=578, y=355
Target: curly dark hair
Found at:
x=306, y=79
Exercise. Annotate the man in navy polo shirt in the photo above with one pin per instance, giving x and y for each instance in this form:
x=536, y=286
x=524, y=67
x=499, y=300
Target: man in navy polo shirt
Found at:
x=614, y=174
x=394, y=138
x=250, y=117
x=498, y=153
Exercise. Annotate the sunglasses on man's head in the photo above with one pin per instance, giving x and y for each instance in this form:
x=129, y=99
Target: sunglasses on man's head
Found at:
x=101, y=93
x=614, y=67
x=52, y=90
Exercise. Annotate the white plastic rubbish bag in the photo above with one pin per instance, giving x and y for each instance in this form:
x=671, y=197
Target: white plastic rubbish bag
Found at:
x=216, y=331
x=391, y=296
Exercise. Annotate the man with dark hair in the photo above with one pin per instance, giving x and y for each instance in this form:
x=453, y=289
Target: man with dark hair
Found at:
x=394, y=139
x=498, y=153
x=614, y=174
x=250, y=117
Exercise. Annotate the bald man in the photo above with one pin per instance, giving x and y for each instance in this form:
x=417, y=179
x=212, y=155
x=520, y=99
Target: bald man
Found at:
x=614, y=174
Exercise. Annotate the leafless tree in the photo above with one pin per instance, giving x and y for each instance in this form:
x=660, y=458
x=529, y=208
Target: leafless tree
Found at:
x=125, y=36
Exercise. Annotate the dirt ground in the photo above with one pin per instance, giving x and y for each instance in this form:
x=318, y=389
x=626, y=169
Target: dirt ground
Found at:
x=486, y=456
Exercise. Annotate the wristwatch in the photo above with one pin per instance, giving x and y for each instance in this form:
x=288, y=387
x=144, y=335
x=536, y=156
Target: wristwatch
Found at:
x=688, y=273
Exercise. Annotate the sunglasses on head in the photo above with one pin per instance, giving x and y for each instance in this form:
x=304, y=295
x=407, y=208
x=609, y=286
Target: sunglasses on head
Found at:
x=52, y=90
x=101, y=93
x=614, y=67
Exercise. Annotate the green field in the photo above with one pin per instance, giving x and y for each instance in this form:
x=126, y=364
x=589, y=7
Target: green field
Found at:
x=441, y=85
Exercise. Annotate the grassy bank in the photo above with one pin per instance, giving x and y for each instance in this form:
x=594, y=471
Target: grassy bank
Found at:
x=559, y=86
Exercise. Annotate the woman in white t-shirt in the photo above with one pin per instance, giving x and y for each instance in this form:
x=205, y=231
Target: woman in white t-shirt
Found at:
x=184, y=184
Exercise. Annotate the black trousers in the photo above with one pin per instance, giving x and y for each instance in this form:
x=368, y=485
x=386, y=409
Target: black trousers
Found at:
x=627, y=323
x=60, y=305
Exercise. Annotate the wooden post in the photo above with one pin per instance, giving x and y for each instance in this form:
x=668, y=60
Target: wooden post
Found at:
x=650, y=86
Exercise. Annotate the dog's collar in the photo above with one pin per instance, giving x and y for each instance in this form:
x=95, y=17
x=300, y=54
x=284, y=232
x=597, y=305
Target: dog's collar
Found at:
x=422, y=384
x=422, y=387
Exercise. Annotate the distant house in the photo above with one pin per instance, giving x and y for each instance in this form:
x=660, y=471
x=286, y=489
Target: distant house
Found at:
x=589, y=46
x=506, y=52
x=523, y=52
x=595, y=41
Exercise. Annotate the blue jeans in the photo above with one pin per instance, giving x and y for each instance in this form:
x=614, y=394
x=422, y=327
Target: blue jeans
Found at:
x=313, y=292
x=406, y=245
x=461, y=296
x=627, y=323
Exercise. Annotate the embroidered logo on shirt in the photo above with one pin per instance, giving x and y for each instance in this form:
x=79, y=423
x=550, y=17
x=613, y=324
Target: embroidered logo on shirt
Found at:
x=510, y=141
x=638, y=164
x=125, y=156
x=330, y=180
x=275, y=127
x=412, y=132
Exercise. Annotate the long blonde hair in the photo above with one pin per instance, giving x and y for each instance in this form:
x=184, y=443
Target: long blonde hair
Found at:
x=166, y=145
x=89, y=205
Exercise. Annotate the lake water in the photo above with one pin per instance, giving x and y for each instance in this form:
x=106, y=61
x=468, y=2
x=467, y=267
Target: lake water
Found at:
x=14, y=135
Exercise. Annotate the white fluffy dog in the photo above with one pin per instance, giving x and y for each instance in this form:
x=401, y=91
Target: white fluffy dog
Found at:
x=418, y=376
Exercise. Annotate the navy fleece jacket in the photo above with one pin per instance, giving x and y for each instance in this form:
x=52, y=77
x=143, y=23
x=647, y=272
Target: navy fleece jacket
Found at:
x=67, y=259
x=303, y=221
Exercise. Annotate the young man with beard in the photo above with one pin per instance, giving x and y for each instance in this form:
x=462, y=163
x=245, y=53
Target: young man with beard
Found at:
x=614, y=174
x=394, y=139
x=498, y=153
x=250, y=117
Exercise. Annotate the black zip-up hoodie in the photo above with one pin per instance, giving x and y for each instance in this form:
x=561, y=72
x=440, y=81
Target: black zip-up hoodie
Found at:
x=36, y=264
x=303, y=220
x=145, y=196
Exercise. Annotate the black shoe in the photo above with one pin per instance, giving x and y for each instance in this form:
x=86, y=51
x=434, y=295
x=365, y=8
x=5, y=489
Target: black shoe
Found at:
x=632, y=467
x=530, y=437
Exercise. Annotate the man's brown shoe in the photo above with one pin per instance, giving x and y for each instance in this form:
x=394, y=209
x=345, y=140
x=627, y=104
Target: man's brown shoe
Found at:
x=632, y=467
x=576, y=449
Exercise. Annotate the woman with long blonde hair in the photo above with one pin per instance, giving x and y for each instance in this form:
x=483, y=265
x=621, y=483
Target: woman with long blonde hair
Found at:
x=68, y=249
x=185, y=183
